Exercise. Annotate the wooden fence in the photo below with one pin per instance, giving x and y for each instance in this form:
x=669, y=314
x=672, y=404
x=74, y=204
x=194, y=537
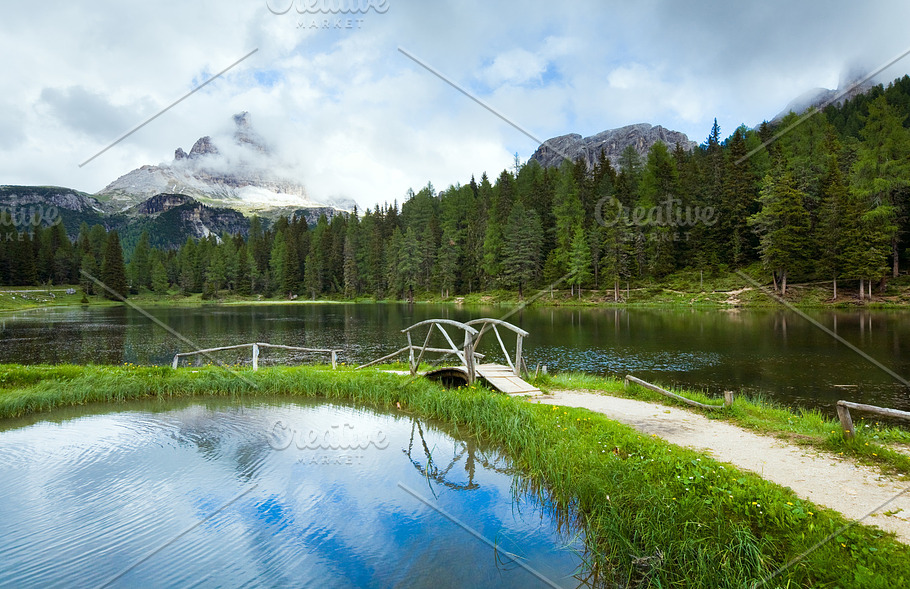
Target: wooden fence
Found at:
x=728, y=395
x=846, y=421
x=256, y=346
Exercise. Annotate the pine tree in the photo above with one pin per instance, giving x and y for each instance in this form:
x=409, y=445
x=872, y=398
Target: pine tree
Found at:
x=409, y=263
x=492, y=252
x=447, y=262
x=89, y=272
x=159, y=278
x=244, y=284
x=569, y=215
x=616, y=251
x=524, y=237
x=216, y=273
x=140, y=266
x=278, y=260
x=291, y=283
x=783, y=228
x=834, y=220
x=579, y=260
x=113, y=271
x=881, y=174
x=312, y=277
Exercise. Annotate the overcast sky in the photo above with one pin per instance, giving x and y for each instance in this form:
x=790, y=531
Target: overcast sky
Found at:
x=360, y=119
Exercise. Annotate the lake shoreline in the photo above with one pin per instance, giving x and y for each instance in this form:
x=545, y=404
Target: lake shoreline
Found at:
x=638, y=496
x=803, y=296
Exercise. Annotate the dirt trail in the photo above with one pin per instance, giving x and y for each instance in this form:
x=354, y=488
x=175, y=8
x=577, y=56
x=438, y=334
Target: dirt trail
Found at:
x=826, y=479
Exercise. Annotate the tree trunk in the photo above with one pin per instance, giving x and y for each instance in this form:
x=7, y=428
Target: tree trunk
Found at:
x=783, y=283
x=835, y=288
x=862, y=289
x=774, y=279
x=615, y=291
x=894, y=268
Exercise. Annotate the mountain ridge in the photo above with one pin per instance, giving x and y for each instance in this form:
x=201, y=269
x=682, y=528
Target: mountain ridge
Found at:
x=237, y=172
x=611, y=142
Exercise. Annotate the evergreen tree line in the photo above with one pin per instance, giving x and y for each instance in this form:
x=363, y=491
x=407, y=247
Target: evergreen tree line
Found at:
x=823, y=196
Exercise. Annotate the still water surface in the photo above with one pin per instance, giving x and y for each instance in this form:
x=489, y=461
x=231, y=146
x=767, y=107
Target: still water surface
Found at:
x=190, y=494
x=773, y=352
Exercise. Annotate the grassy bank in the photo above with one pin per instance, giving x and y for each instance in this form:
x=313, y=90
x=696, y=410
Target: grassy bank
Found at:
x=655, y=515
x=689, y=288
x=884, y=446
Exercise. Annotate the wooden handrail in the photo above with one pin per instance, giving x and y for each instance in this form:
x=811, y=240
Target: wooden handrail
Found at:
x=657, y=389
x=505, y=324
x=406, y=348
x=846, y=421
x=256, y=346
x=457, y=324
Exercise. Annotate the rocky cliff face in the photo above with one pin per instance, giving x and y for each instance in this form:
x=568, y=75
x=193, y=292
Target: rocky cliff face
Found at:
x=238, y=173
x=22, y=207
x=611, y=142
x=170, y=218
x=64, y=198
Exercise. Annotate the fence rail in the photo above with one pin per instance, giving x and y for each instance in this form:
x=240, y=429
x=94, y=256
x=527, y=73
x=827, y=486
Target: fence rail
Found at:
x=846, y=421
x=256, y=346
x=728, y=396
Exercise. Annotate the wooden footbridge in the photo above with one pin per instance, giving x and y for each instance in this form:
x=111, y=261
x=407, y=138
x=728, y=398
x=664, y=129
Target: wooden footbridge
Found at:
x=502, y=377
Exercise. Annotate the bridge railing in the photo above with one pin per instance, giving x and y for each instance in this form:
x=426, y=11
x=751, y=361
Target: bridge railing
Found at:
x=488, y=324
x=255, y=349
x=465, y=352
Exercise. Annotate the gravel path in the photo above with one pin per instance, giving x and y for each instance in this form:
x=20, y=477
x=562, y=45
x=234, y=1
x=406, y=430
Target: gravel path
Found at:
x=824, y=478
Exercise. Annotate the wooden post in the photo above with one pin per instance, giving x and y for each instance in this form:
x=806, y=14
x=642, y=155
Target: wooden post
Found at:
x=518, y=357
x=176, y=361
x=255, y=357
x=334, y=359
x=728, y=398
x=469, y=357
x=411, y=354
x=846, y=421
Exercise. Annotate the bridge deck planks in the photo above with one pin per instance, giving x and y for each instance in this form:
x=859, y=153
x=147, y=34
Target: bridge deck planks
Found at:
x=502, y=378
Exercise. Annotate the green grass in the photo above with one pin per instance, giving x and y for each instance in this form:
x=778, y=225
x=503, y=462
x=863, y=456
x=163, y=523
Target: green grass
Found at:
x=654, y=514
x=874, y=443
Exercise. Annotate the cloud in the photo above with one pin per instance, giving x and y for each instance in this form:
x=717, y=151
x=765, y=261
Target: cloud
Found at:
x=356, y=118
x=516, y=66
x=90, y=112
x=12, y=126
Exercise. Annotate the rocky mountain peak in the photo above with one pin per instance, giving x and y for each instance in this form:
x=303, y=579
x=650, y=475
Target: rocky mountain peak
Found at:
x=204, y=146
x=242, y=120
x=242, y=174
x=611, y=143
x=852, y=83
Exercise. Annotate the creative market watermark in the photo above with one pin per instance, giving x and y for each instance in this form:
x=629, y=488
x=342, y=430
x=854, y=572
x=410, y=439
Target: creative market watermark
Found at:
x=336, y=437
x=18, y=221
x=33, y=215
x=336, y=14
x=609, y=212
